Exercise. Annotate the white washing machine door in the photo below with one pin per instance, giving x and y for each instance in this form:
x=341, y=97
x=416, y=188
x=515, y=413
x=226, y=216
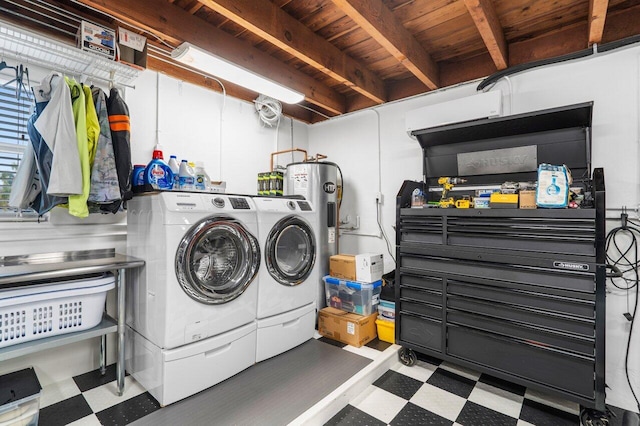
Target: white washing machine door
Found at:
x=216, y=260
x=290, y=251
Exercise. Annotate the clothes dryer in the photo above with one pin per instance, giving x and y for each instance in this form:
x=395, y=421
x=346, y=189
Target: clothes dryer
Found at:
x=288, y=276
x=191, y=310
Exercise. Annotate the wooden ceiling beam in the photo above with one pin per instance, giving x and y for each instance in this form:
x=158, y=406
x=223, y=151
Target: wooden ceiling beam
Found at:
x=176, y=25
x=486, y=19
x=273, y=24
x=597, y=17
x=380, y=23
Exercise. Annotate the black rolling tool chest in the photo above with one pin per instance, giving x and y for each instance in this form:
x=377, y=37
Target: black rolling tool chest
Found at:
x=518, y=294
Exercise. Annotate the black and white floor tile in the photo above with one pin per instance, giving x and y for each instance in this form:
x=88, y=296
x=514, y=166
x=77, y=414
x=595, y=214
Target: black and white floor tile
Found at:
x=428, y=393
x=439, y=393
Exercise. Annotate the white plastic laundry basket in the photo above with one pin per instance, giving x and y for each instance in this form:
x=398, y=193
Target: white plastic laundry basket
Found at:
x=30, y=313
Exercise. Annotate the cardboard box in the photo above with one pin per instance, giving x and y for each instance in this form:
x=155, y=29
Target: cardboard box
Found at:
x=132, y=49
x=343, y=266
x=528, y=199
x=97, y=39
x=352, y=329
x=365, y=267
x=369, y=267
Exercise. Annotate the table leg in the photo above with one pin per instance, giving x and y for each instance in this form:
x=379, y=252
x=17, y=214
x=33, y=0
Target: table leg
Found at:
x=121, y=330
x=103, y=355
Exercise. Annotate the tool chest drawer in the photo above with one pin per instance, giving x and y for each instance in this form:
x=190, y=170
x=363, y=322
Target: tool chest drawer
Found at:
x=417, y=295
x=422, y=309
x=554, y=321
x=574, y=307
x=421, y=281
x=528, y=360
x=423, y=332
x=524, y=276
x=569, y=232
x=528, y=332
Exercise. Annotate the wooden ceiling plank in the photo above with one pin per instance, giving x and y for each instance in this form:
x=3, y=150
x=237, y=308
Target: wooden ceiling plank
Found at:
x=281, y=29
x=196, y=7
x=597, y=17
x=377, y=20
x=176, y=25
x=486, y=20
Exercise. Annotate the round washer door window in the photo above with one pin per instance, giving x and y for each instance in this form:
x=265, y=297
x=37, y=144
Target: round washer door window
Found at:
x=216, y=260
x=290, y=251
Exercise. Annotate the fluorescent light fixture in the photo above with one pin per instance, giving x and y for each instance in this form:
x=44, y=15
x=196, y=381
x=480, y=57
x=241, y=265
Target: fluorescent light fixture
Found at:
x=195, y=57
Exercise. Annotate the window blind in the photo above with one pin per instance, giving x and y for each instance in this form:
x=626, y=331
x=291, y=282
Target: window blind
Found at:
x=15, y=110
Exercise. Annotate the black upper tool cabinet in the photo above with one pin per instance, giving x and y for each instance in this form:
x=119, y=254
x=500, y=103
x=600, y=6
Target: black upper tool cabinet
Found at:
x=518, y=294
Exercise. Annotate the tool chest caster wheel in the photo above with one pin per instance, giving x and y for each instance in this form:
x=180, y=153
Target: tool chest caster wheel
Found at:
x=589, y=417
x=407, y=356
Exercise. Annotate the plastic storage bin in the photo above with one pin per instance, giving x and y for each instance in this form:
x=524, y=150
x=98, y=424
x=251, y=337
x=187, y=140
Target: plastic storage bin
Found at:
x=386, y=330
x=352, y=296
x=20, y=398
x=34, y=312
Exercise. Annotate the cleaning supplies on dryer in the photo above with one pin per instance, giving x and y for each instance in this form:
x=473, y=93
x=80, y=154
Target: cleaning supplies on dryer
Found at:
x=187, y=176
x=202, y=178
x=158, y=173
x=175, y=169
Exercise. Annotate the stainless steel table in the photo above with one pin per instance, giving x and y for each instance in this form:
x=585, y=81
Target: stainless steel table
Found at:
x=43, y=269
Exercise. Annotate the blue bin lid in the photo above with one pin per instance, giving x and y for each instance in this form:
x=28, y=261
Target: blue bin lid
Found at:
x=351, y=284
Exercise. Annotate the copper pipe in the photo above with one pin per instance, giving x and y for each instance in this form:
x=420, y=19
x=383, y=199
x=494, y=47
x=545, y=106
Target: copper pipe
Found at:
x=273, y=154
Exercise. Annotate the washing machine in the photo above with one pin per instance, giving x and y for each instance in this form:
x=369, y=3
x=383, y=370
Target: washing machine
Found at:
x=191, y=310
x=288, y=275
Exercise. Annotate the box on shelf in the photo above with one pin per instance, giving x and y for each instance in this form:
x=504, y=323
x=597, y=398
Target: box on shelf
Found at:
x=386, y=330
x=528, y=199
x=387, y=310
x=352, y=296
x=352, y=329
x=132, y=48
x=503, y=201
x=97, y=39
x=365, y=267
x=20, y=398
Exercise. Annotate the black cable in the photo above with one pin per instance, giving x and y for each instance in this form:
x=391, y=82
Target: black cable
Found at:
x=382, y=232
x=631, y=231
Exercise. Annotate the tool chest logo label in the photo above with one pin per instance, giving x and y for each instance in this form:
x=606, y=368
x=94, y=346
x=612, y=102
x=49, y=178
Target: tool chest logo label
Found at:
x=571, y=266
x=329, y=187
x=495, y=161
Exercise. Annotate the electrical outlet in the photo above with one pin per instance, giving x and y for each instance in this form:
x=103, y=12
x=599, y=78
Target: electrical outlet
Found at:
x=379, y=198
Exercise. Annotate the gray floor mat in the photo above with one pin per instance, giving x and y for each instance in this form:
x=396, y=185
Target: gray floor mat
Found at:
x=273, y=392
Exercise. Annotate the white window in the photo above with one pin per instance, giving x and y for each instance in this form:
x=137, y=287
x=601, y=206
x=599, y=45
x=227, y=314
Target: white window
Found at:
x=15, y=110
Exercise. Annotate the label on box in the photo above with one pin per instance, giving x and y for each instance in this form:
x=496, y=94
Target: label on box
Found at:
x=375, y=299
x=351, y=328
x=97, y=39
x=131, y=39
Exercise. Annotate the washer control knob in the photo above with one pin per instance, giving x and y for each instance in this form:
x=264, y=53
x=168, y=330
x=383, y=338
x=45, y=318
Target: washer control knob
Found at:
x=218, y=202
x=291, y=205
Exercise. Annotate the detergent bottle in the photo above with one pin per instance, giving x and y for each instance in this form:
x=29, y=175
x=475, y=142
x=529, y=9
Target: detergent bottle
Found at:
x=157, y=173
x=202, y=178
x=187, y=176
x=175, y=168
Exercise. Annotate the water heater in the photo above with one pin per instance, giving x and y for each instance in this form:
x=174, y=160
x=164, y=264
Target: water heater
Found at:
x=318, y=183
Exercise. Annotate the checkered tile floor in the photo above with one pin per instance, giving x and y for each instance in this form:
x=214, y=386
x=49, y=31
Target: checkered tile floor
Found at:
x=428, y=393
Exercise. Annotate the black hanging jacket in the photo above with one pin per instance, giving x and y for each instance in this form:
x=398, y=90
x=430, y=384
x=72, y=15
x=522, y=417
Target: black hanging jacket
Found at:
x=120, y=135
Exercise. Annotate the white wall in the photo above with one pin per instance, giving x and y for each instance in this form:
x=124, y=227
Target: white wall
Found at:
x=189, y=126
x=610, y=80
